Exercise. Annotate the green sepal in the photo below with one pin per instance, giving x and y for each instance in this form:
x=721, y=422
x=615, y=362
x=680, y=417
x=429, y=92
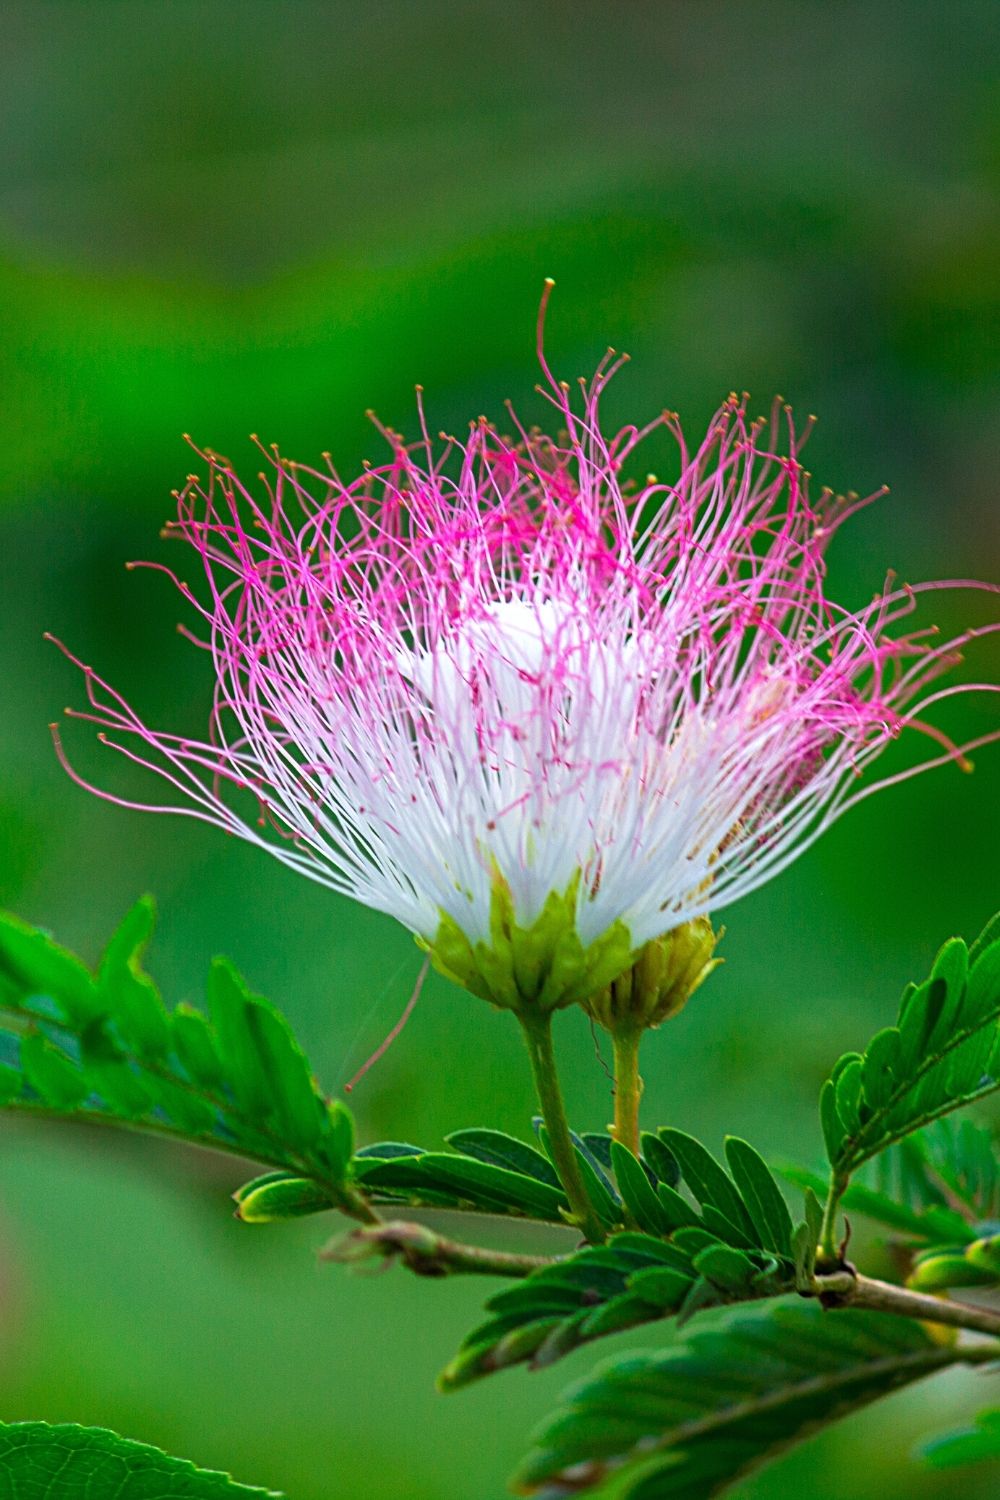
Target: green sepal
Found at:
x=543, y=965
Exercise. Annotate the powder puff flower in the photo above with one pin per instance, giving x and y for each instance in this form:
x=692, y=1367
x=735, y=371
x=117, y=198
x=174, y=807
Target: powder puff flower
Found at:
x=538, y=717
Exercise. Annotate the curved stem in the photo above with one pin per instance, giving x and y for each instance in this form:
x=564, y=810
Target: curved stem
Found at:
x=829, y=1254
x=537, y=1028
x=628, y=1087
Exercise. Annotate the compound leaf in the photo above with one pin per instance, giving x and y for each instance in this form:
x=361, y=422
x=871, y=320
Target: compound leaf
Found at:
x=689, y=1422
x=635, y=1278
x=104, y=1047
x=943, y=1052
x=39, y=1462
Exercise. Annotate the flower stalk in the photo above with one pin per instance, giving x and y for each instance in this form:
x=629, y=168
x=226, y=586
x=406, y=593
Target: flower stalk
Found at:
x=537, y=1027
x=628, y=1086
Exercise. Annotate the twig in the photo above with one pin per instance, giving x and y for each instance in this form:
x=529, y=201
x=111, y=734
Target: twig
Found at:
x=428, y=1253
x=847, y=1289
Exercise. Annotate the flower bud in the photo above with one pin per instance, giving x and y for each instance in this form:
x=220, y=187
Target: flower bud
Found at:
x=664, y=976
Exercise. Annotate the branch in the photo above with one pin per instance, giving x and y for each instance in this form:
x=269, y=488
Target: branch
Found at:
x=847, y=1289
x=427, y=1253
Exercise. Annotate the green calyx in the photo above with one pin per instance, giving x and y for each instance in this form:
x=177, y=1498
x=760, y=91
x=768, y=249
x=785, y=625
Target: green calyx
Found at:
x=543, y=967
x=661, y=980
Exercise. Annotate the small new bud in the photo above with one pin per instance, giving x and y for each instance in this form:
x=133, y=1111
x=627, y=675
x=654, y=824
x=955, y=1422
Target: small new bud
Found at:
x=279, y=1195
x=664, y=976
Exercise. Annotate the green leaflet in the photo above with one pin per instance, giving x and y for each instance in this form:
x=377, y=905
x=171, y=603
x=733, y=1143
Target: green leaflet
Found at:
x=503, y=1150
x=487, y=1171
x=638, y=1193
x=805, y=1241
x=127, y=992
x=105, y=1047
x=943, y=1052
x=262, y=1060
x=51, y=1074
x=762, y=1196
x=278, y=1195
x=689, y=1422
x=661, y=1161
x=712, y=1187
x=969, y=1445
x=635, y=1278
x=34, y=965
x=477, y=1182
x=944, y=1267
x=600, y=1189
x=39, y=1462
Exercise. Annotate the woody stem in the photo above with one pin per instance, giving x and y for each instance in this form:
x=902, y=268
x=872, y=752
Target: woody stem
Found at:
x=848, y=1289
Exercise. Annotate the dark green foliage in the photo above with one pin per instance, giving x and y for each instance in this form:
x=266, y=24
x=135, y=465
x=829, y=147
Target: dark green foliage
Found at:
x=493, y=1172
x=940, y=1186
x=951, y=1168
x=932, y=1225
x=504, y=1151
x=638, y=1194
x=443, y=1178
x=685, y=1231
x=709, y=1183
x=572, y=1301
x=681, y=1262
x=761, y=1195
x=970, y=1445
x=943, y=1052
x=487, y=1171
x=659, y=1159
x=738, y=1247
x=39, y=1462
x=805, y=1241
x=687, y=1423
x=104, y=1048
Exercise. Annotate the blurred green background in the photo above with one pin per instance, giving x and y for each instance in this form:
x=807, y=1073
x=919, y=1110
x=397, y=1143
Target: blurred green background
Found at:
x=225, y=218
